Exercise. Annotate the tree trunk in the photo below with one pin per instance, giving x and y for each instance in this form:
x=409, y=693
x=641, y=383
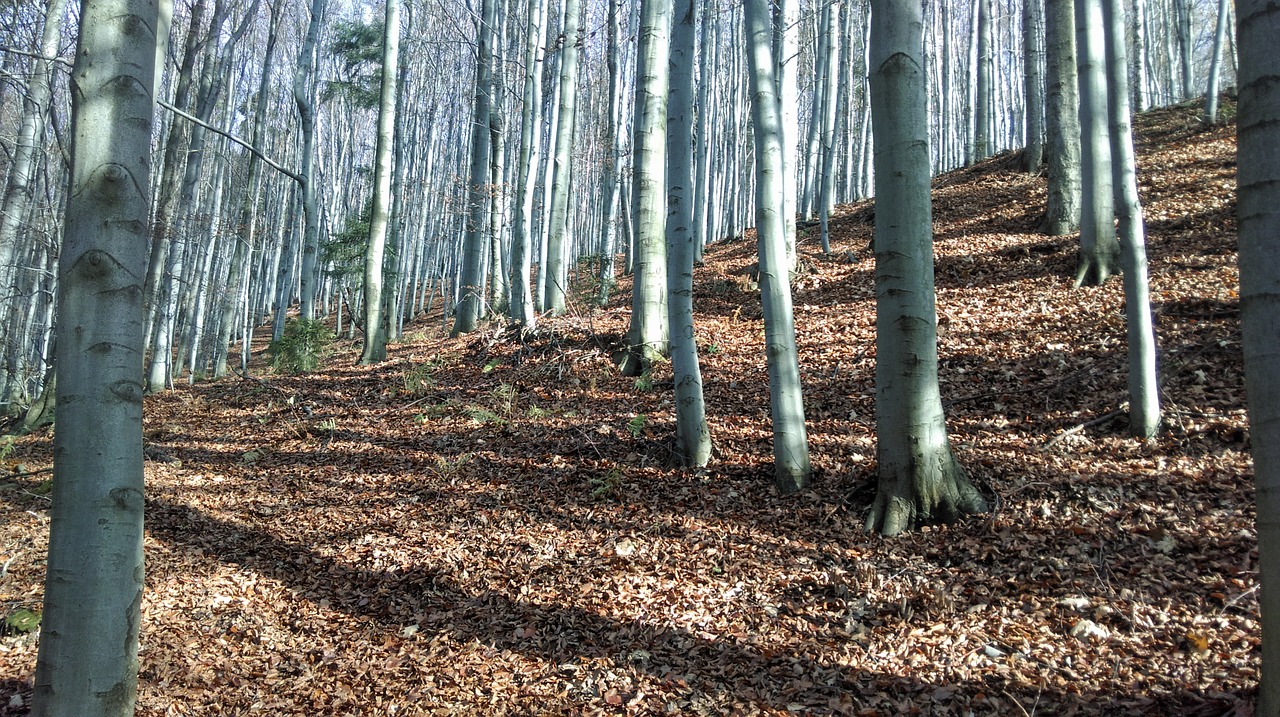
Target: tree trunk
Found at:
x=521, y=307
x=829, y=94
x=790, y=437
x=1033, y=51
x=982, y=98
x=920, y=480
x=1258, y=122
x=1062, y=123
x=470, y=305
x=612, y=140
x=693, y=438
x=88, y=658
x=647, y=338
x=1099, y=250
x=304, y=98
x=375, y=325
x=1215, y=65
x=557, y=239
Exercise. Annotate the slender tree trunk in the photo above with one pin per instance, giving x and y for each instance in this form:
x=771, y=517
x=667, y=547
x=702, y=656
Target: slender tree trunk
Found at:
x=647, y=338
x=557, y=238
x=790, y=437
x=1099, y=250
x=375, y=325
x=470, y=302
x=787, y=62
x=612, y=139
x=304, y=98
x=521, y=308
x=1033, y=50
x=982, y=101
x=1182, y=30
x=1215, y=65
x=88, y=659
x=1062, y=123
x=692, y=434
x=920, y=480
x=829, y=115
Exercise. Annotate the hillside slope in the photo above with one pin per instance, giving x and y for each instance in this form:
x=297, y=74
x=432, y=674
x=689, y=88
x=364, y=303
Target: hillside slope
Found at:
x=483, y=526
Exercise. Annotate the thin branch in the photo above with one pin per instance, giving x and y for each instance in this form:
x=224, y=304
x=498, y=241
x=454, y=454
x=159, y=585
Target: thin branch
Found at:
x=254, y=150
x=38, y=56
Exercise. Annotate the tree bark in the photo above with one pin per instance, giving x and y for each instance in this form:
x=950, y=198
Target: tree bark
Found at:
x=304, y=99
x=1062, y=123
x=1215, y=65
x=521, y=306
x=790, y=437
x=557, y=239
x=1258, y=129
x=375, y=325
x=88, y=658
x=1099, y=250
x=1033, y=50
x=920, y=480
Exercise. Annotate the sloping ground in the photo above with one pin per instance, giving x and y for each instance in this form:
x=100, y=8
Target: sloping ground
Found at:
x=483, y=526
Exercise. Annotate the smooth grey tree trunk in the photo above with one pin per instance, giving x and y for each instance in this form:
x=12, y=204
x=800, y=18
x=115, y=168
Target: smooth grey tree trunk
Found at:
x=693, y=437
x=375, y=324
x=304, y=99
x=1215, y=64
x=470, y=303
x=982, y=104
x=1062, y=122
x=521, y=307
x=920, y=480
x=1099, y=250
x=555, y=291
x=88, y=659
x=1258, y=131
x=787, y=62
x=1144, y=390
x=1182, y=31
x=1033, y=52
x=612, y=140
x=790, y=437
x=647, y=338
x=829, y=149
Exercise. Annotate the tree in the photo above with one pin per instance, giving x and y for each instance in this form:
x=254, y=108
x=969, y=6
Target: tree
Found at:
x=557, y=244
x=692, y=435
x=304, y=99
x=647, y=337
x=982, y=110
x=375, y=326
x=1258, y=130
x=1215, y=65
x=88, y=664
x=790, y=437
x=1033, y=51
x=1099, y=250
x=1144, y=392
x=470, y=303
x=920, y=480
x=520, y=307
x=1062, y=123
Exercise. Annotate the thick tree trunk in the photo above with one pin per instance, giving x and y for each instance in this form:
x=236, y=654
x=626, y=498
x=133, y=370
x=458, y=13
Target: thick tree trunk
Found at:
x=1258, y=123
x=1033, y=51
x=375, y=324
x=1099, y=250
x=88, y=659
x=470, y=305
x=647, y=338
x=1062, y=123
x=790, y=437
x=920, y=480
x=693, y=437
x=982, y=123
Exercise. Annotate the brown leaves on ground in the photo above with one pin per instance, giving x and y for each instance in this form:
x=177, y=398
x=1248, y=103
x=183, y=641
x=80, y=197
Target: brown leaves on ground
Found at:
x=493, y=526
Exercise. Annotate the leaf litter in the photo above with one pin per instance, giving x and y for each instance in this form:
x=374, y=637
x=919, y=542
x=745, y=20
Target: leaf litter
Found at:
x=495, y=525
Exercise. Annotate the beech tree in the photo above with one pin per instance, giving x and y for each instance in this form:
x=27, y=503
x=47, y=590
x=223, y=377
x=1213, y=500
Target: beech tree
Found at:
x=88, y=659
x=1258, y=131
x=1062, y=123
x=520, y=307
x=1099, y=250
x=790, y=437
x=375, y=326
x=920, y=480
x=562, y=165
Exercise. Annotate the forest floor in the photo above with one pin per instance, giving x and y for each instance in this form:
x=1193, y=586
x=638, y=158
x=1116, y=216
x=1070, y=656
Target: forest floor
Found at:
x=489, y=526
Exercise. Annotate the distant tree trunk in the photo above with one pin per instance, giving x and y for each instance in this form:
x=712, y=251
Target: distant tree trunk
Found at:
x=375, y=325
x=1099, y=250
x=521, y=307
x=1141, y=68
x=17, y=194
x=304, y=99
x=813, y=139
x=1258, y=123
x=647, y=338
x=692, y=434
x=787, y=67
x=1062, y=123
x=1033, y=50
x=982, y=123
x=790, y=437
x=470, y=302
x=1215, y=65
x=920, y=480
x=88, y=659
x=557, y=238
x=612, y=139
x=829, y=93
x=1182, y=30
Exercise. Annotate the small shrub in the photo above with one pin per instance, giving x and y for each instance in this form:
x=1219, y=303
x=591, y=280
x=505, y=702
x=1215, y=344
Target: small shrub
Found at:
x=608, y=485
x=636, y=426
x=644, y=382
x=419, y=378
x=302, y=347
